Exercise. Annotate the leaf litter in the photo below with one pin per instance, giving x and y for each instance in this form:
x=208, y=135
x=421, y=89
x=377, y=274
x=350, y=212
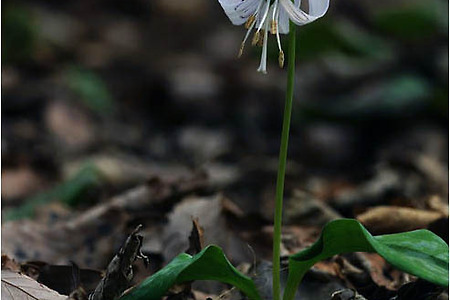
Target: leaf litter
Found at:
x=168, y=153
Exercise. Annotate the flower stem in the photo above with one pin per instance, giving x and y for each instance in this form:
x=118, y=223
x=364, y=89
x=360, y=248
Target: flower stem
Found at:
x=282, y=164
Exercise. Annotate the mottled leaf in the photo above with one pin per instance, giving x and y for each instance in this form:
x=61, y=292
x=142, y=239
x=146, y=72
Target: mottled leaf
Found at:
x=419, y=252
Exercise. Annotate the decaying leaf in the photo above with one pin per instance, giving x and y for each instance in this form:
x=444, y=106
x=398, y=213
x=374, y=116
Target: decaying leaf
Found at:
x=304, y=209
x=95, y=232
x=392, y=219
x=16, y=286
x=91, y=240
x=209, y=211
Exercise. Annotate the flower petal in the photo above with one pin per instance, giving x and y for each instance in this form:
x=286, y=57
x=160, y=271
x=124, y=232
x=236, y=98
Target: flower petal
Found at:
x=284, y=19
x=238, y=11
x=283, y=22
x=317, y=8
x=262, y=14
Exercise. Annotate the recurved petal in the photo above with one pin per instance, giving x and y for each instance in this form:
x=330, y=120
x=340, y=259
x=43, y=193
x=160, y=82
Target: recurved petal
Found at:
x=283, y=26
x=284, y=19
x=317, y=8
x=238, y=11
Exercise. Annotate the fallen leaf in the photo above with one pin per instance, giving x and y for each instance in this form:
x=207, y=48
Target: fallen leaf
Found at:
x=304, y=209
x=393, y=219
x=9, y=264
x=94, y=233
x=16, y=286
x=209, y=211
x=69, y=125
x=93, y=236
x=437, y=204
x=18, y=183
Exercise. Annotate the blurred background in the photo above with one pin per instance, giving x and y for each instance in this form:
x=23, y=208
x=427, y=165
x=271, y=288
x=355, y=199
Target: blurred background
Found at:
x=100, y=97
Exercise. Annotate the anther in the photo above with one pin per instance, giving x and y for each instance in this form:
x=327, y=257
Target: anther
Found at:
x=250, y=21
x=256, y=38
x=261, y=38
x=273, y=27
x=281, y=59
x=241, y=50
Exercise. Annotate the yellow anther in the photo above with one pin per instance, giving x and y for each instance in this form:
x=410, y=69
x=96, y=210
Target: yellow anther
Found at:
x=250, y=21
x=241, y=50
x=261, y=38
x=281, y=59
x=256, y=38
x=273, y=27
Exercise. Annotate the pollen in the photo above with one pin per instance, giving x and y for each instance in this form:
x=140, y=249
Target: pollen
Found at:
x=250, y=21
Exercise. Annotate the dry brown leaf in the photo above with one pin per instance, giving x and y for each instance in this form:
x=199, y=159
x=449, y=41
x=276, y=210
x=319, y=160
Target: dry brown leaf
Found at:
x=92, y=238
x=9, y=264
x=437, y=204
x=304, y=209
x=392, y=219
x=16, y=286
x=122, y=169
x=19, y=182
x=70, y=125
x=210, y=214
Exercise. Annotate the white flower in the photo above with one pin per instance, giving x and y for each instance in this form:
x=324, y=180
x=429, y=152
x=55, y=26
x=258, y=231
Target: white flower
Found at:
x=270, y=15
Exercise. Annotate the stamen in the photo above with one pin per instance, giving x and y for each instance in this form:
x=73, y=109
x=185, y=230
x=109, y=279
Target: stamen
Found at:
x=266, y=12
x=241, y=50
x=281, y=59
x=263, y=65
x=250, y=21
x=273, y=27
x=256, y=38
x=281, y=53
x=247, y=34
x=262, y=38
x=274, y=23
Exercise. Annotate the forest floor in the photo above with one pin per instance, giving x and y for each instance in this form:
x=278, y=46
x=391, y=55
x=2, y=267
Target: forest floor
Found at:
x=107, y=124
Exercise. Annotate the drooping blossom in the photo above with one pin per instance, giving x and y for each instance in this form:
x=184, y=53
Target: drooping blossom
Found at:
x=264, y=16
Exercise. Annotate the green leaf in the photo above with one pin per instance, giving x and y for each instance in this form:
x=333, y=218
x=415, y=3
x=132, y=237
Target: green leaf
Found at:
x=19, y=34
x=209, y=264
x=91, y=90
x=420, y=252
x=414, y=21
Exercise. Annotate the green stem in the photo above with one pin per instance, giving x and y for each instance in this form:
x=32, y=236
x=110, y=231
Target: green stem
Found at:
x=282, y=164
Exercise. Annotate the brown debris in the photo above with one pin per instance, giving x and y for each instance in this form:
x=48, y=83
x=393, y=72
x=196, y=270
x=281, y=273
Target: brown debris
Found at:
x=195, y=238
x=120, y=272
x=9, y=264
